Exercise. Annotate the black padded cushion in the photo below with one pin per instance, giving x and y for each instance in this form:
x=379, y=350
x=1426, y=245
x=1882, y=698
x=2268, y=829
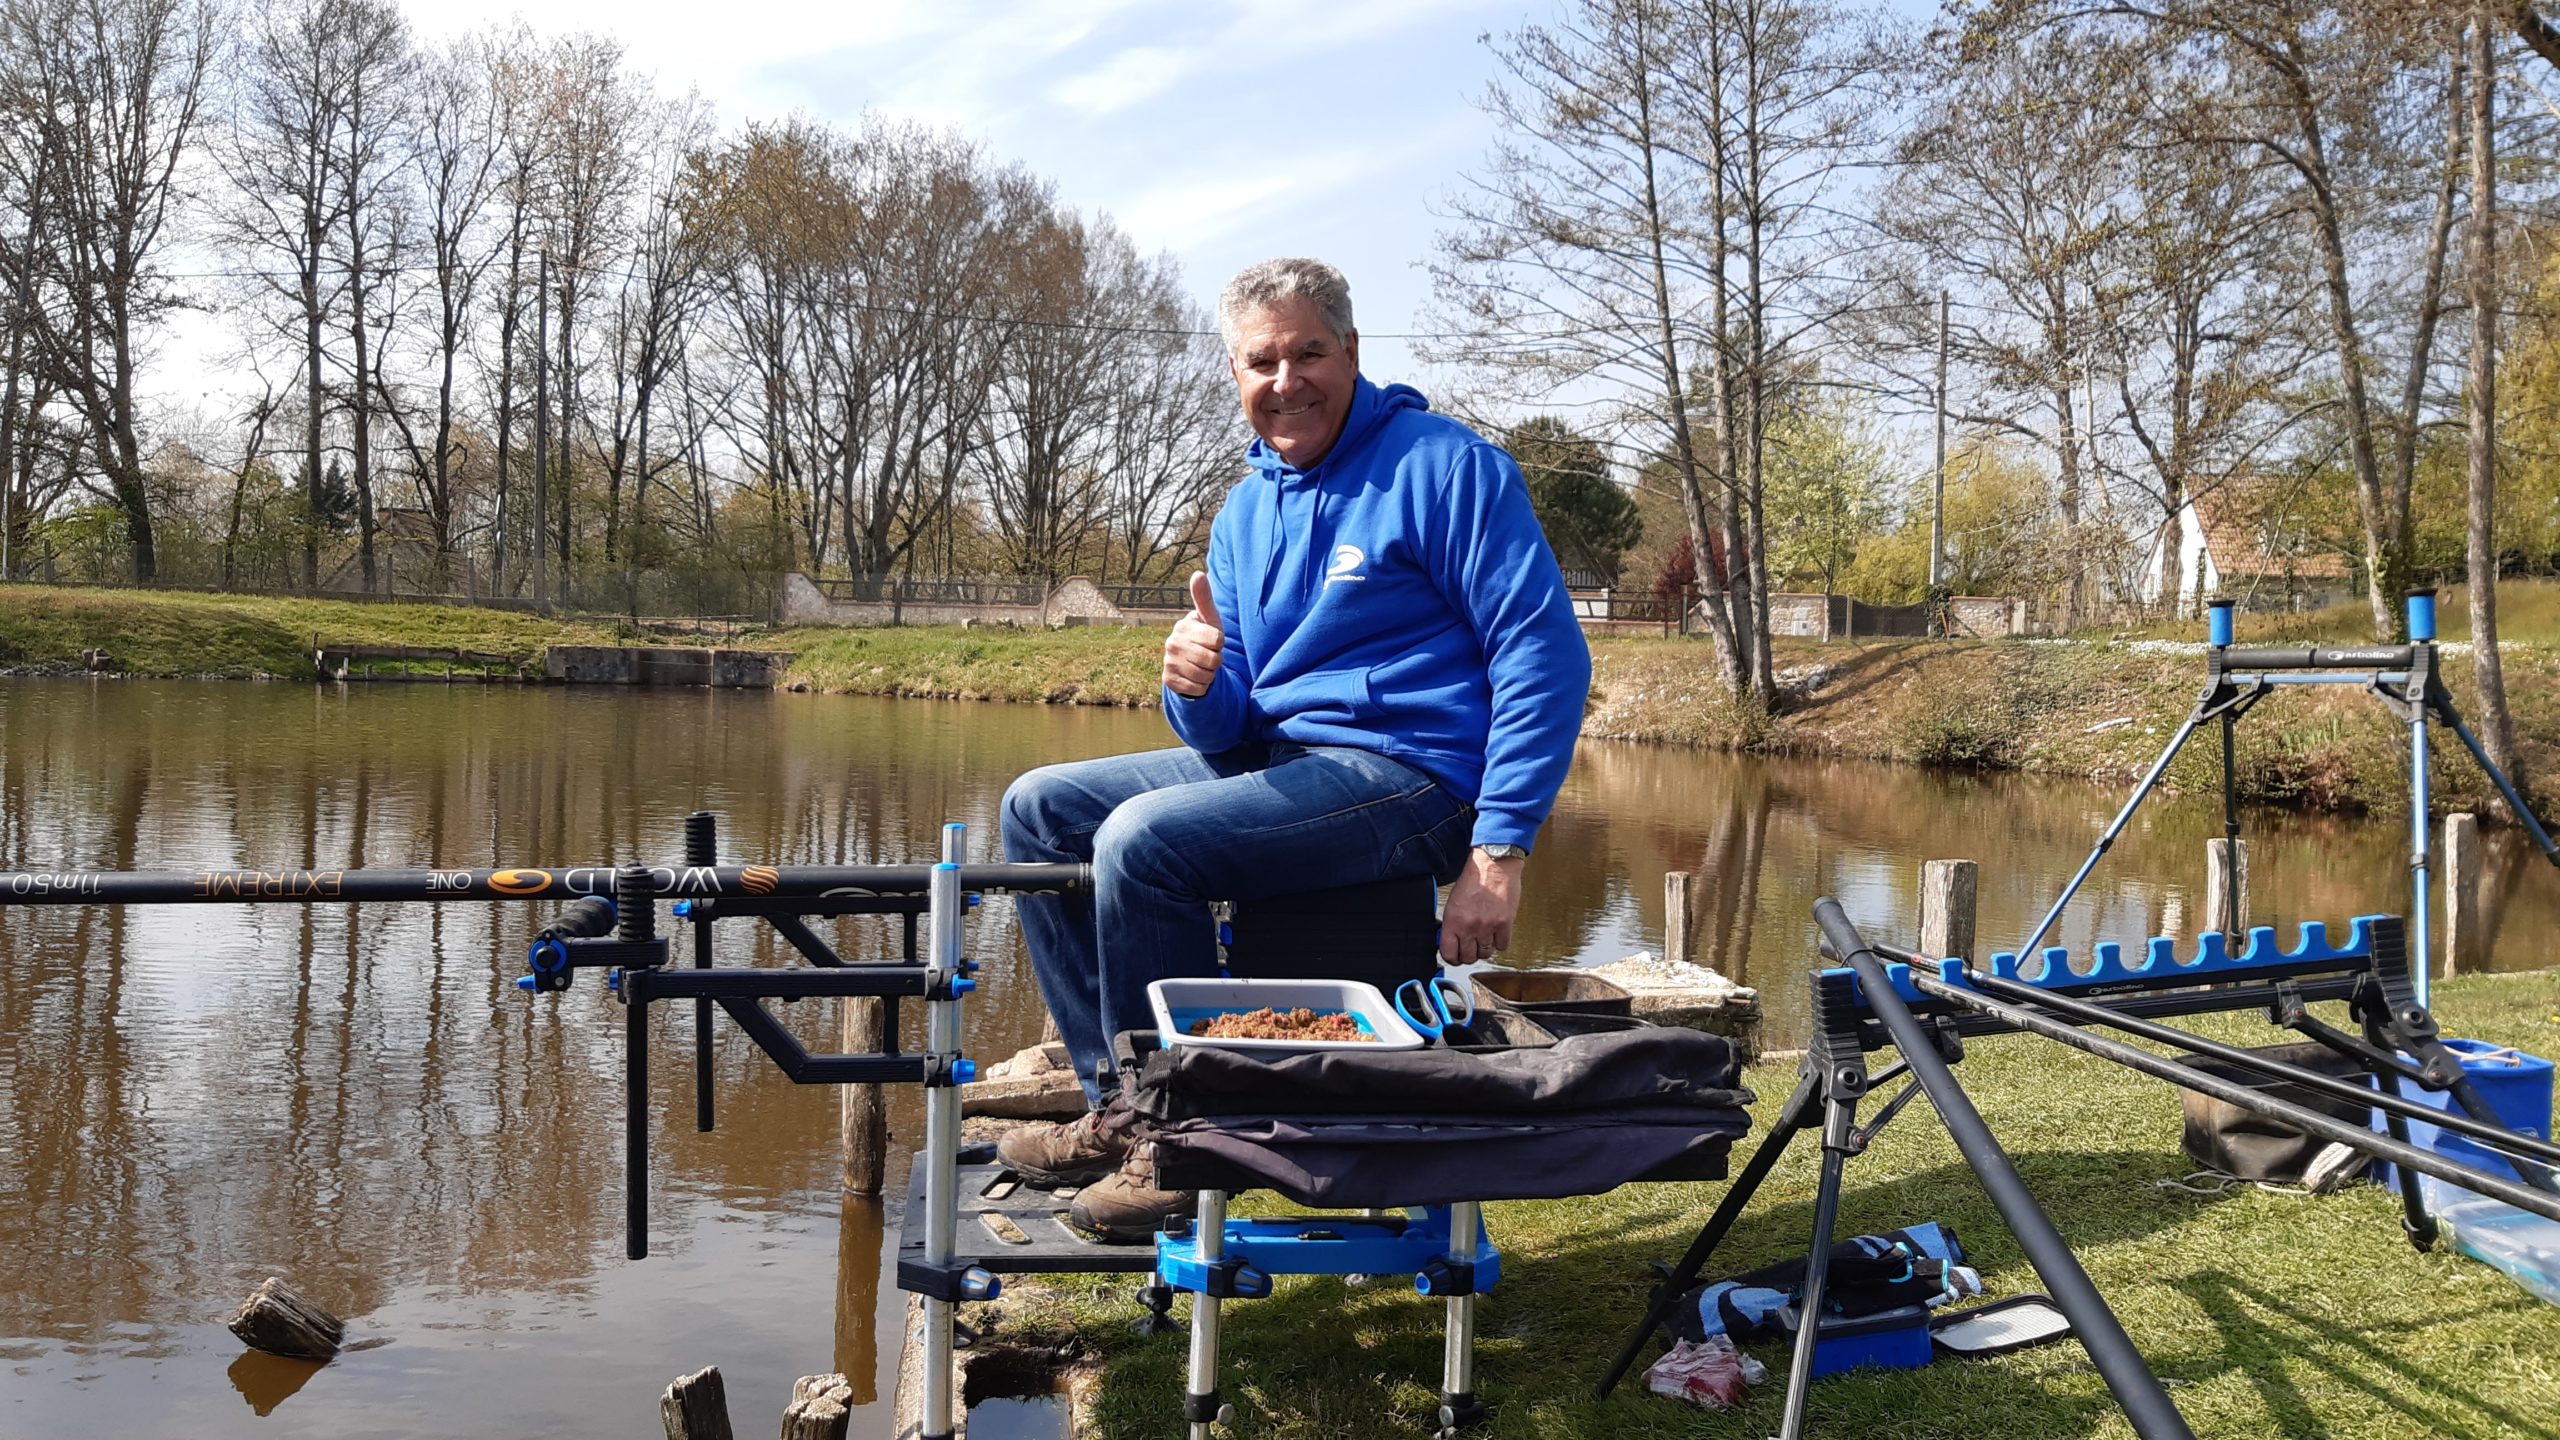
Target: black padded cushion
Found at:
x=1384, y=933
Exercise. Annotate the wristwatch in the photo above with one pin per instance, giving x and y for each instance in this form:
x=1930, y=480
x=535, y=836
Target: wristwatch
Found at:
x=1503, y=852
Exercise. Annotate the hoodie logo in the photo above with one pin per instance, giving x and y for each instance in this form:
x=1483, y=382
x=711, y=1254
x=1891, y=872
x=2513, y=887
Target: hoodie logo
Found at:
x=1346, y=564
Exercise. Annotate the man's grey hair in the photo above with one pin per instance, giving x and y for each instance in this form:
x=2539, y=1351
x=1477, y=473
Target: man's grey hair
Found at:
x=1259, y=287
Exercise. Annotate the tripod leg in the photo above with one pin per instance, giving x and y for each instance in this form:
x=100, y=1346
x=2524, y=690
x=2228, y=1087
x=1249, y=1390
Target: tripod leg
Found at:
x=2114, y=828
x=2414, y=1220
x=1836, y=1126
x=1795, y=1116
x=2497, y=777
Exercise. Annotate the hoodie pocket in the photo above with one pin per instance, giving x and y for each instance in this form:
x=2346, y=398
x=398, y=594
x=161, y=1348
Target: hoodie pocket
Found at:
x=1325, y=697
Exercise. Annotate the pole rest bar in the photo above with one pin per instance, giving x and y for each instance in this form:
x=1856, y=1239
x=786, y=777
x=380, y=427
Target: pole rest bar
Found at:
x=2362, y=657
x=2161, y=966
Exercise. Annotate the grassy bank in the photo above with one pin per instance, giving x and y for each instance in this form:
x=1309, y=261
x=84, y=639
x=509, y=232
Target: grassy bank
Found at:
x=2097, y=705
x=167, y=633
x=2268, y=1314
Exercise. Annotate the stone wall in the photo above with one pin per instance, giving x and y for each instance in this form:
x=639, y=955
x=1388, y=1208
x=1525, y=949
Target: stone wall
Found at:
x=1807, y=617
x=1985, y=617
x=1076, y=601
x=664, y=665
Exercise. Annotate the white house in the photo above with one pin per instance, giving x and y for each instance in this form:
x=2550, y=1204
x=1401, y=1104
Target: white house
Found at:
x=2240, y=540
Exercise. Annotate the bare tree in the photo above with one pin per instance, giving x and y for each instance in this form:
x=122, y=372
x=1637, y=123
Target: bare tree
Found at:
x=457, y=165
x=371, y=159
x=2480, y=262
x=118, y=88
x=1574, y=262
x=596, y=109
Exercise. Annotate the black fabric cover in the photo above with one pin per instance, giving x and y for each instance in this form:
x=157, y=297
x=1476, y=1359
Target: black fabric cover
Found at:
x=1655, y=1066
x=1432, y=1127
x=2252, y=1146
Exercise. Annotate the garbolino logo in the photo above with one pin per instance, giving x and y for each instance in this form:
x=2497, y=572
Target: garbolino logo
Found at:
x=1346, y=564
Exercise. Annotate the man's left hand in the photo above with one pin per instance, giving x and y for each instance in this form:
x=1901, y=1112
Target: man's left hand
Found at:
x=1482, y=905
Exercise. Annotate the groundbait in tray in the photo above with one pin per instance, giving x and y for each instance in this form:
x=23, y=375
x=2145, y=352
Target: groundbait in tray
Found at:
x=1180, y=1004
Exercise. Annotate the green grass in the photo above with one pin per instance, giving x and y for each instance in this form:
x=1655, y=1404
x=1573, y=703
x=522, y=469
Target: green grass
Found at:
x=1093, y=665
x=2269, y=1315
x=2528, y=614
x=154, y=632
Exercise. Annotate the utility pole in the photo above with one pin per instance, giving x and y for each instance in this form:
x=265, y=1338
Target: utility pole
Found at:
x=542, y=435
x=1938, y=497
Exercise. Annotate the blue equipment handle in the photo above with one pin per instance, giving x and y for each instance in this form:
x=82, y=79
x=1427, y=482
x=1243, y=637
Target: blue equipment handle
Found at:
x=1432, y=998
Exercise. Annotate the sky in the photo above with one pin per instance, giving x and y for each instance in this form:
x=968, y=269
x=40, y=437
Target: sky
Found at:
x=1218, y=132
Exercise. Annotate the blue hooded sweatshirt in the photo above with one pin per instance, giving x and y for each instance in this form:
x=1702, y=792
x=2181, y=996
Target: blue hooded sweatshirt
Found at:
x=1398, y=597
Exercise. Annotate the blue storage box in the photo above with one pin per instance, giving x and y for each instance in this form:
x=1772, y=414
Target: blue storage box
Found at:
x=2517, y=1087
x=1896, y=1339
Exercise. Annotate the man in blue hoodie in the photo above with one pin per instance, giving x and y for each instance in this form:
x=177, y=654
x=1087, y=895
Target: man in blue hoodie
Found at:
x=1380, y=676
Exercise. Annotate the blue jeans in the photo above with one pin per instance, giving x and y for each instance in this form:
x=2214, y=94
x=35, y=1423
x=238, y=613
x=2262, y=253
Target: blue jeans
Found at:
x=1169, y=831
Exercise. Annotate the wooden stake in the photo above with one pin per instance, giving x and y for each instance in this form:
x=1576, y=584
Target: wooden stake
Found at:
x=2466, y=937
x=818, y=1409
x=1675, y=915
x=696, y=1407
x=2233, y=920
x=864, y=1030
x=1947, y=894
x=278, y=1320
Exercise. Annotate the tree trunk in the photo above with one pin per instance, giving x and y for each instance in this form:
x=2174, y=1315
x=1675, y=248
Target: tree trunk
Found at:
x=2497, y=730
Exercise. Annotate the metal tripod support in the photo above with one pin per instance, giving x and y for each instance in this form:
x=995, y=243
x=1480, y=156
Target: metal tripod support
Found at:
x=2405, y=678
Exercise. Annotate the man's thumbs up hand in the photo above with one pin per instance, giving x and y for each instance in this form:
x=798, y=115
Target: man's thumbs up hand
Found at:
x=1197, y=644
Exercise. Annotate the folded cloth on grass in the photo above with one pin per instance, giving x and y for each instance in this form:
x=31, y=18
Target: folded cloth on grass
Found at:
x=1431, y=1127
x=1651, y=1066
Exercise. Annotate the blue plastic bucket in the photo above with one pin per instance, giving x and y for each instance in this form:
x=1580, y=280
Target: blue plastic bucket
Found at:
x=2517, y=1087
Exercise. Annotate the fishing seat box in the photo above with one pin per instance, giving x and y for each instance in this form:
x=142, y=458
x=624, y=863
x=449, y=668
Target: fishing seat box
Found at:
x=2251, y=1146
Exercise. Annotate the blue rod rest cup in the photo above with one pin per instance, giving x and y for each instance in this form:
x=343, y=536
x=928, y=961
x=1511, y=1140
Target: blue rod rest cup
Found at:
x=2217, y=623
x=2422, y=615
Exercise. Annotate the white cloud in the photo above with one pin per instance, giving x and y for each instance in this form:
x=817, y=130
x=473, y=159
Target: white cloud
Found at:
x=1125, y=79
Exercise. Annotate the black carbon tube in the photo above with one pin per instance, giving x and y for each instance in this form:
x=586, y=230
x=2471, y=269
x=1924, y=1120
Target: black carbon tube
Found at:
x=2146, y=1403
x=2088, y=1013
x=2232, y=1092
x=571, y=882
x=2368, y=657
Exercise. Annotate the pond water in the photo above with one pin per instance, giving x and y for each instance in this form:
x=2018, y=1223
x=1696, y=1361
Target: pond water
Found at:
x=194, y=1098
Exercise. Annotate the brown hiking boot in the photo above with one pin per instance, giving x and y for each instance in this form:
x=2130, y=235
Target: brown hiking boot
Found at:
x=1127, y=1208
x=1074, y=1152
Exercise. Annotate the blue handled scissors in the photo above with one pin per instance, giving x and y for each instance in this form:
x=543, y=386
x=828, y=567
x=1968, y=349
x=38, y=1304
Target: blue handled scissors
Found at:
x=1431, y=998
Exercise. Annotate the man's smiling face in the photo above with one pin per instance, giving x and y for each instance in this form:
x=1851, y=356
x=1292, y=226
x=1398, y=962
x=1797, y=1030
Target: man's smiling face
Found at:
x=1295, y=378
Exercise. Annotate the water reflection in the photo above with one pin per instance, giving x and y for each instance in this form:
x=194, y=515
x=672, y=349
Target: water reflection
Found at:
x=194, y=1098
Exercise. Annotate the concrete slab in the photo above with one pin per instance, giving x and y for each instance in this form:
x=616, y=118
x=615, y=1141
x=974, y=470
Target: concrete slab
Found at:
x=1676, y=992
x=1036, y=1084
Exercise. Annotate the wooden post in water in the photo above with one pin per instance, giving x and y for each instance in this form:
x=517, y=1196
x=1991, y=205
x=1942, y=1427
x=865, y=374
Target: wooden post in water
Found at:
x=818, y=1409
x=1675, y=916
x=2226, y=888
x=864, y=1030
x=2466, y=939
x=1947, y=892
x=696, y=1407
x=278, y=1320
